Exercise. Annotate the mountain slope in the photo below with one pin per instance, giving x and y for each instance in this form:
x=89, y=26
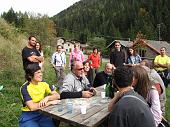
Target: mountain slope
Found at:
x=116, y=18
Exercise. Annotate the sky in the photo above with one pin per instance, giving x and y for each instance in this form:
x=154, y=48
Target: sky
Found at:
x=49, y=7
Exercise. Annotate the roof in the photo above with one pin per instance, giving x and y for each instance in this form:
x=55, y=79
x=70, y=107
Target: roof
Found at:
x=156, y=45
x=122, y=42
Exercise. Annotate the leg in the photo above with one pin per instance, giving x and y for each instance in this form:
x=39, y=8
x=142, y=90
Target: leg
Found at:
x=46, y=121
x=61, y=78
x=30, y=123
x=57, y=72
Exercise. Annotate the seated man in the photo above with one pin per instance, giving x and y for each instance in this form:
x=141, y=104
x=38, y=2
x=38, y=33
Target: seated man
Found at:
x=75, y=84
x=130, y=109
x=102, y=77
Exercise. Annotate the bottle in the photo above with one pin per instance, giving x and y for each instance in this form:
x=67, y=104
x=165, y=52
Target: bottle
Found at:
x=109, y=89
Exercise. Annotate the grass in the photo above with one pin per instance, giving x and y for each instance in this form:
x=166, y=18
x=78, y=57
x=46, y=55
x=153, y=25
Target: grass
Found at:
x=11, y=103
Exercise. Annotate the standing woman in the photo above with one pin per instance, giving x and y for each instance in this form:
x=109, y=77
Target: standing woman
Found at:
x=76, y=54
x=39, y=48
x=95, y=60
x=35, y=95
x=133, y=58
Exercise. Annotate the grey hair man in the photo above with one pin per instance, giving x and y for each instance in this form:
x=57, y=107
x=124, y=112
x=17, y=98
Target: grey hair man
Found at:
x=75, y=84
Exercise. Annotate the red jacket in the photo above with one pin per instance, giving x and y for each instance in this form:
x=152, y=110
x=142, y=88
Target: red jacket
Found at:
x=95, y=60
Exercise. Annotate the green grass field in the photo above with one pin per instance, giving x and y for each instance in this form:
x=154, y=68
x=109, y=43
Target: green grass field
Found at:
x=10, y=102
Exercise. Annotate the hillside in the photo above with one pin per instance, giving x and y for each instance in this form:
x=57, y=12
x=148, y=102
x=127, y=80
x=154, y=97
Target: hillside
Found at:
x=11, y=43
x=115, y=18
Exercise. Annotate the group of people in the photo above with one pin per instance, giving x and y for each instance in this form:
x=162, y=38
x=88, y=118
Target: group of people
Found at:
x=140, y=89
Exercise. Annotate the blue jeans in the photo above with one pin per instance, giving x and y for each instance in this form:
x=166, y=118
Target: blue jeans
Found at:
x=35, y=119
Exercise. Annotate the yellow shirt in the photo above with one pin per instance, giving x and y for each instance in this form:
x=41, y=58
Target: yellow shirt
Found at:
x=161, y=60
x=33, y=92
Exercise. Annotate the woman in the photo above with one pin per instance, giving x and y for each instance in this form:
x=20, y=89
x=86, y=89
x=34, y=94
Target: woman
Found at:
x=95, y=60
x=88, y=72
x=33, y=93
x=133, y=58
x=145, y=86
x=76, y=54
x=39, y=48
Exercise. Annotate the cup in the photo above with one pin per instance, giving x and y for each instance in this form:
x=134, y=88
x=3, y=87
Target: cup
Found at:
x=83, y=109
x=69, y=107
x=103, y=94
x=104, y=86
x=60, y=107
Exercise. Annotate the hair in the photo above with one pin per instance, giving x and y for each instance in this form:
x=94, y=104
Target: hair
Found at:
x=163, y=48
x=134, y=51
x=30, y=70
x=143, y=83
x=86, y=62
x=40, y=49
x=148, y=63
x=95, y=49
x=73, y=64
x=29, y=38
x=123, y=77
x=59, y=46
x=76, y=45
x=117, y=42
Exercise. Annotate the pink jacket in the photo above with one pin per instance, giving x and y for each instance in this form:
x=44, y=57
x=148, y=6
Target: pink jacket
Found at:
x=76, y=55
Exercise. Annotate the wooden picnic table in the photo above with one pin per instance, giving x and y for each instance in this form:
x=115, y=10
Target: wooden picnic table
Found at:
x=97, y=110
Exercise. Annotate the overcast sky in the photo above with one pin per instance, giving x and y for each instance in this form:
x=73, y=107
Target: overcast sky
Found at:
x=49, y=7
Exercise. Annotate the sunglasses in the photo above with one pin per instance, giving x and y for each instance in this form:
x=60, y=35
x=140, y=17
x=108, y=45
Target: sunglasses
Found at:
x=80, y=69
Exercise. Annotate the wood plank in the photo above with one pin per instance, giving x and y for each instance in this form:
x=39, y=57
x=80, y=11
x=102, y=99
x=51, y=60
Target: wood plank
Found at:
x=90, y=112
x=96, y=119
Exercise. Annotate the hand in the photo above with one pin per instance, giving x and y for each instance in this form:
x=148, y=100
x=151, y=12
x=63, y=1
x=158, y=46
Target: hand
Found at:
x=92, y=90
x=87, y=94
x=43, y=102
x=54, y=102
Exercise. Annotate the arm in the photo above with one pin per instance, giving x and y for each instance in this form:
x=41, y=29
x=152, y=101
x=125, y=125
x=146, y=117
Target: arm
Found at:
x=53, y=60
x=35, y=58
x=82, y=56
x=48, y=100
x=155, y=105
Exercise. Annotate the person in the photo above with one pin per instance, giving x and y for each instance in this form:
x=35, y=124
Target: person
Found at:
x=117, y=57
x=130, y=109
x=76, y=54
x=133, y=58
x=88, y=72
x=94, y=60
x=39, y=48
x=36, y=94
x=146, y=87
x=75, y=84
x=148, y=66
x=29, y=53
x=161, y=63
x=101, y=77
x=59, y=62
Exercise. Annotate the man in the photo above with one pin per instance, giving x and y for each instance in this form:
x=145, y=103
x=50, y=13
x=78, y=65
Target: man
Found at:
x=59, y=61
x=161, y=63
x=130, y=110
x=30, y=55
x=102, y=77
x=75, y=84
x=117, y=57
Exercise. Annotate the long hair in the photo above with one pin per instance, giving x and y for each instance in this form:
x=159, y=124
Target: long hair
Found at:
x=134, y=52
x=143, y=83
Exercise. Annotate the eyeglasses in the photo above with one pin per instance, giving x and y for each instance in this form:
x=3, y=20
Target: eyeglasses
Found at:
x=79, y=69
